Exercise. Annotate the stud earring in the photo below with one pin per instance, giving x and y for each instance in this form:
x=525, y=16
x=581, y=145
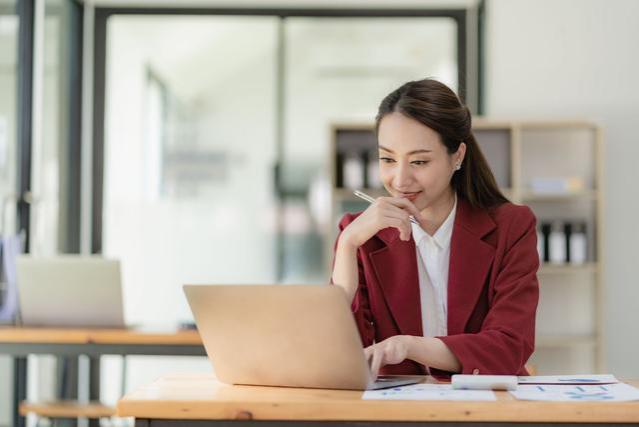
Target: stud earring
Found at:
x=458, y=166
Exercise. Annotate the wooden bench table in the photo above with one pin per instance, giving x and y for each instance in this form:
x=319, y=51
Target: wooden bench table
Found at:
x=20, y=342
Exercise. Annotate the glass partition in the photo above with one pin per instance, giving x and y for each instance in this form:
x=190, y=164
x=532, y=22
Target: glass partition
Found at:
x=9, y=24
x=189, y=156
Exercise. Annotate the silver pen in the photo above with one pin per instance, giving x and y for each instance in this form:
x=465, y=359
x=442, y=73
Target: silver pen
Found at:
x=370, y=199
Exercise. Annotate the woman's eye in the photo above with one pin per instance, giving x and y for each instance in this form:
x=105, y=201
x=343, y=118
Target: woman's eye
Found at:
x=419, y=162
x=386, y=160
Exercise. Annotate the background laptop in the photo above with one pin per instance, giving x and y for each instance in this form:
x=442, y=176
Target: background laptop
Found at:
x=69, y=291
x=283, y=335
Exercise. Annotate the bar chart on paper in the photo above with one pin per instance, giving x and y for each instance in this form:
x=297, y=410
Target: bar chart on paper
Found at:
x=428, y=392
x=577, y=393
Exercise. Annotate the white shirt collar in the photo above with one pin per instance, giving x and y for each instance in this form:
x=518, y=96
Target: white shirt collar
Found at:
x=443, y=234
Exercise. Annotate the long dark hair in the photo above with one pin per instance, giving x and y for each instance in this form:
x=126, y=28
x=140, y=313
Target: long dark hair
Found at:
x=435, y=105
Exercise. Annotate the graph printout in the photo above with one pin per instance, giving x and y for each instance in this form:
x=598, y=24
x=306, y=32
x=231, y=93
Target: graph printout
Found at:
x=427, y=392
x=577, y=393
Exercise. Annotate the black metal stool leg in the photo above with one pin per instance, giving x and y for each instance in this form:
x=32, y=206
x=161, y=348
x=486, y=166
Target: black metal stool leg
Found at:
x=67, y=385
x=19, y=389
x=94, y=385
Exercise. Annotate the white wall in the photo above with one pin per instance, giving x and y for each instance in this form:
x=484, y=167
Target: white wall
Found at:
x=577, y=59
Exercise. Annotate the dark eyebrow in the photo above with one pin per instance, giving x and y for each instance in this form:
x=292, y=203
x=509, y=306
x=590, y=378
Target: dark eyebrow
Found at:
x=412, y=152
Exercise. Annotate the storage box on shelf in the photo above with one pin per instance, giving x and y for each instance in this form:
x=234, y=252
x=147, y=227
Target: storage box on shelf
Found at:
x=555, y=167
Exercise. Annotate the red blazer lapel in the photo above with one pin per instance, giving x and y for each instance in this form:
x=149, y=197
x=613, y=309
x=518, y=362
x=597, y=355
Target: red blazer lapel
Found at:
x=395, y=266
x=470, y=262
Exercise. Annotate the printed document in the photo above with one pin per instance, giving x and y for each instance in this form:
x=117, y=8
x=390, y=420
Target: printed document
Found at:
x=577, y=393
x=427, y=392
x=568, y=379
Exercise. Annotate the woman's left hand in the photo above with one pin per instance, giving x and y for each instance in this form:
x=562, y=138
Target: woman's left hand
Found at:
x=391, y=351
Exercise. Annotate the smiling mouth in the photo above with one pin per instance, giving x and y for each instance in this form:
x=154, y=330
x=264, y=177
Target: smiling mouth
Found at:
x=409, y=196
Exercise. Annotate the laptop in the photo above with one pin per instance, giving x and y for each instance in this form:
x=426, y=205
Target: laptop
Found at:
x=69, y=291
x=283, y=335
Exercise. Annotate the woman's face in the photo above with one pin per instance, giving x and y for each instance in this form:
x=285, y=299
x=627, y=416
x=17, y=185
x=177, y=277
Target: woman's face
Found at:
x=413, y=161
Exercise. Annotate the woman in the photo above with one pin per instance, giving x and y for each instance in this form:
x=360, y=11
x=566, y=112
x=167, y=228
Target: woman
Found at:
x=442, y=273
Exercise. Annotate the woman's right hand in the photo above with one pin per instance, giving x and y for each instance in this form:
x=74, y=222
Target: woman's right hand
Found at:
x=383, y=213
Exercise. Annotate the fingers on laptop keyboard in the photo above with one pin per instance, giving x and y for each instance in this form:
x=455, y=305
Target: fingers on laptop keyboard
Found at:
x=376, y=362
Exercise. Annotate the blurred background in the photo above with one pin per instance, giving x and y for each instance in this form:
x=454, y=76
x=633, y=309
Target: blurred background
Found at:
x=217, y=142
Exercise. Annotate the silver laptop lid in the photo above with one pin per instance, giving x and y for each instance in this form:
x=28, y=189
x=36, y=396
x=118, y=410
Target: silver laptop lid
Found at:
x=280, y=335
x=70, y=291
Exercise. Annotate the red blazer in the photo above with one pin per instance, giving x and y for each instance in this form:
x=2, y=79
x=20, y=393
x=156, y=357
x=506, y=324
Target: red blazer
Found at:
x=492, y=290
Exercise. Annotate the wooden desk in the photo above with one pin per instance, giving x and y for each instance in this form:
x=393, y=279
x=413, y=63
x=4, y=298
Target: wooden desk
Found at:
x=200, y=400
x=20, y=342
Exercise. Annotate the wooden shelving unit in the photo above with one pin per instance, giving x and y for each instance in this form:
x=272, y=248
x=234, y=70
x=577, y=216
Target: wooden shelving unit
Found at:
x=570, y=319
x=528, y=196
x=587, y=268
x=565, y=341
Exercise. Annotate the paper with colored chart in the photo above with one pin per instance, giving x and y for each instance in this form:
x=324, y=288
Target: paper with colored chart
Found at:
x=427, y=392
x=568, y=379
x=577, y=393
